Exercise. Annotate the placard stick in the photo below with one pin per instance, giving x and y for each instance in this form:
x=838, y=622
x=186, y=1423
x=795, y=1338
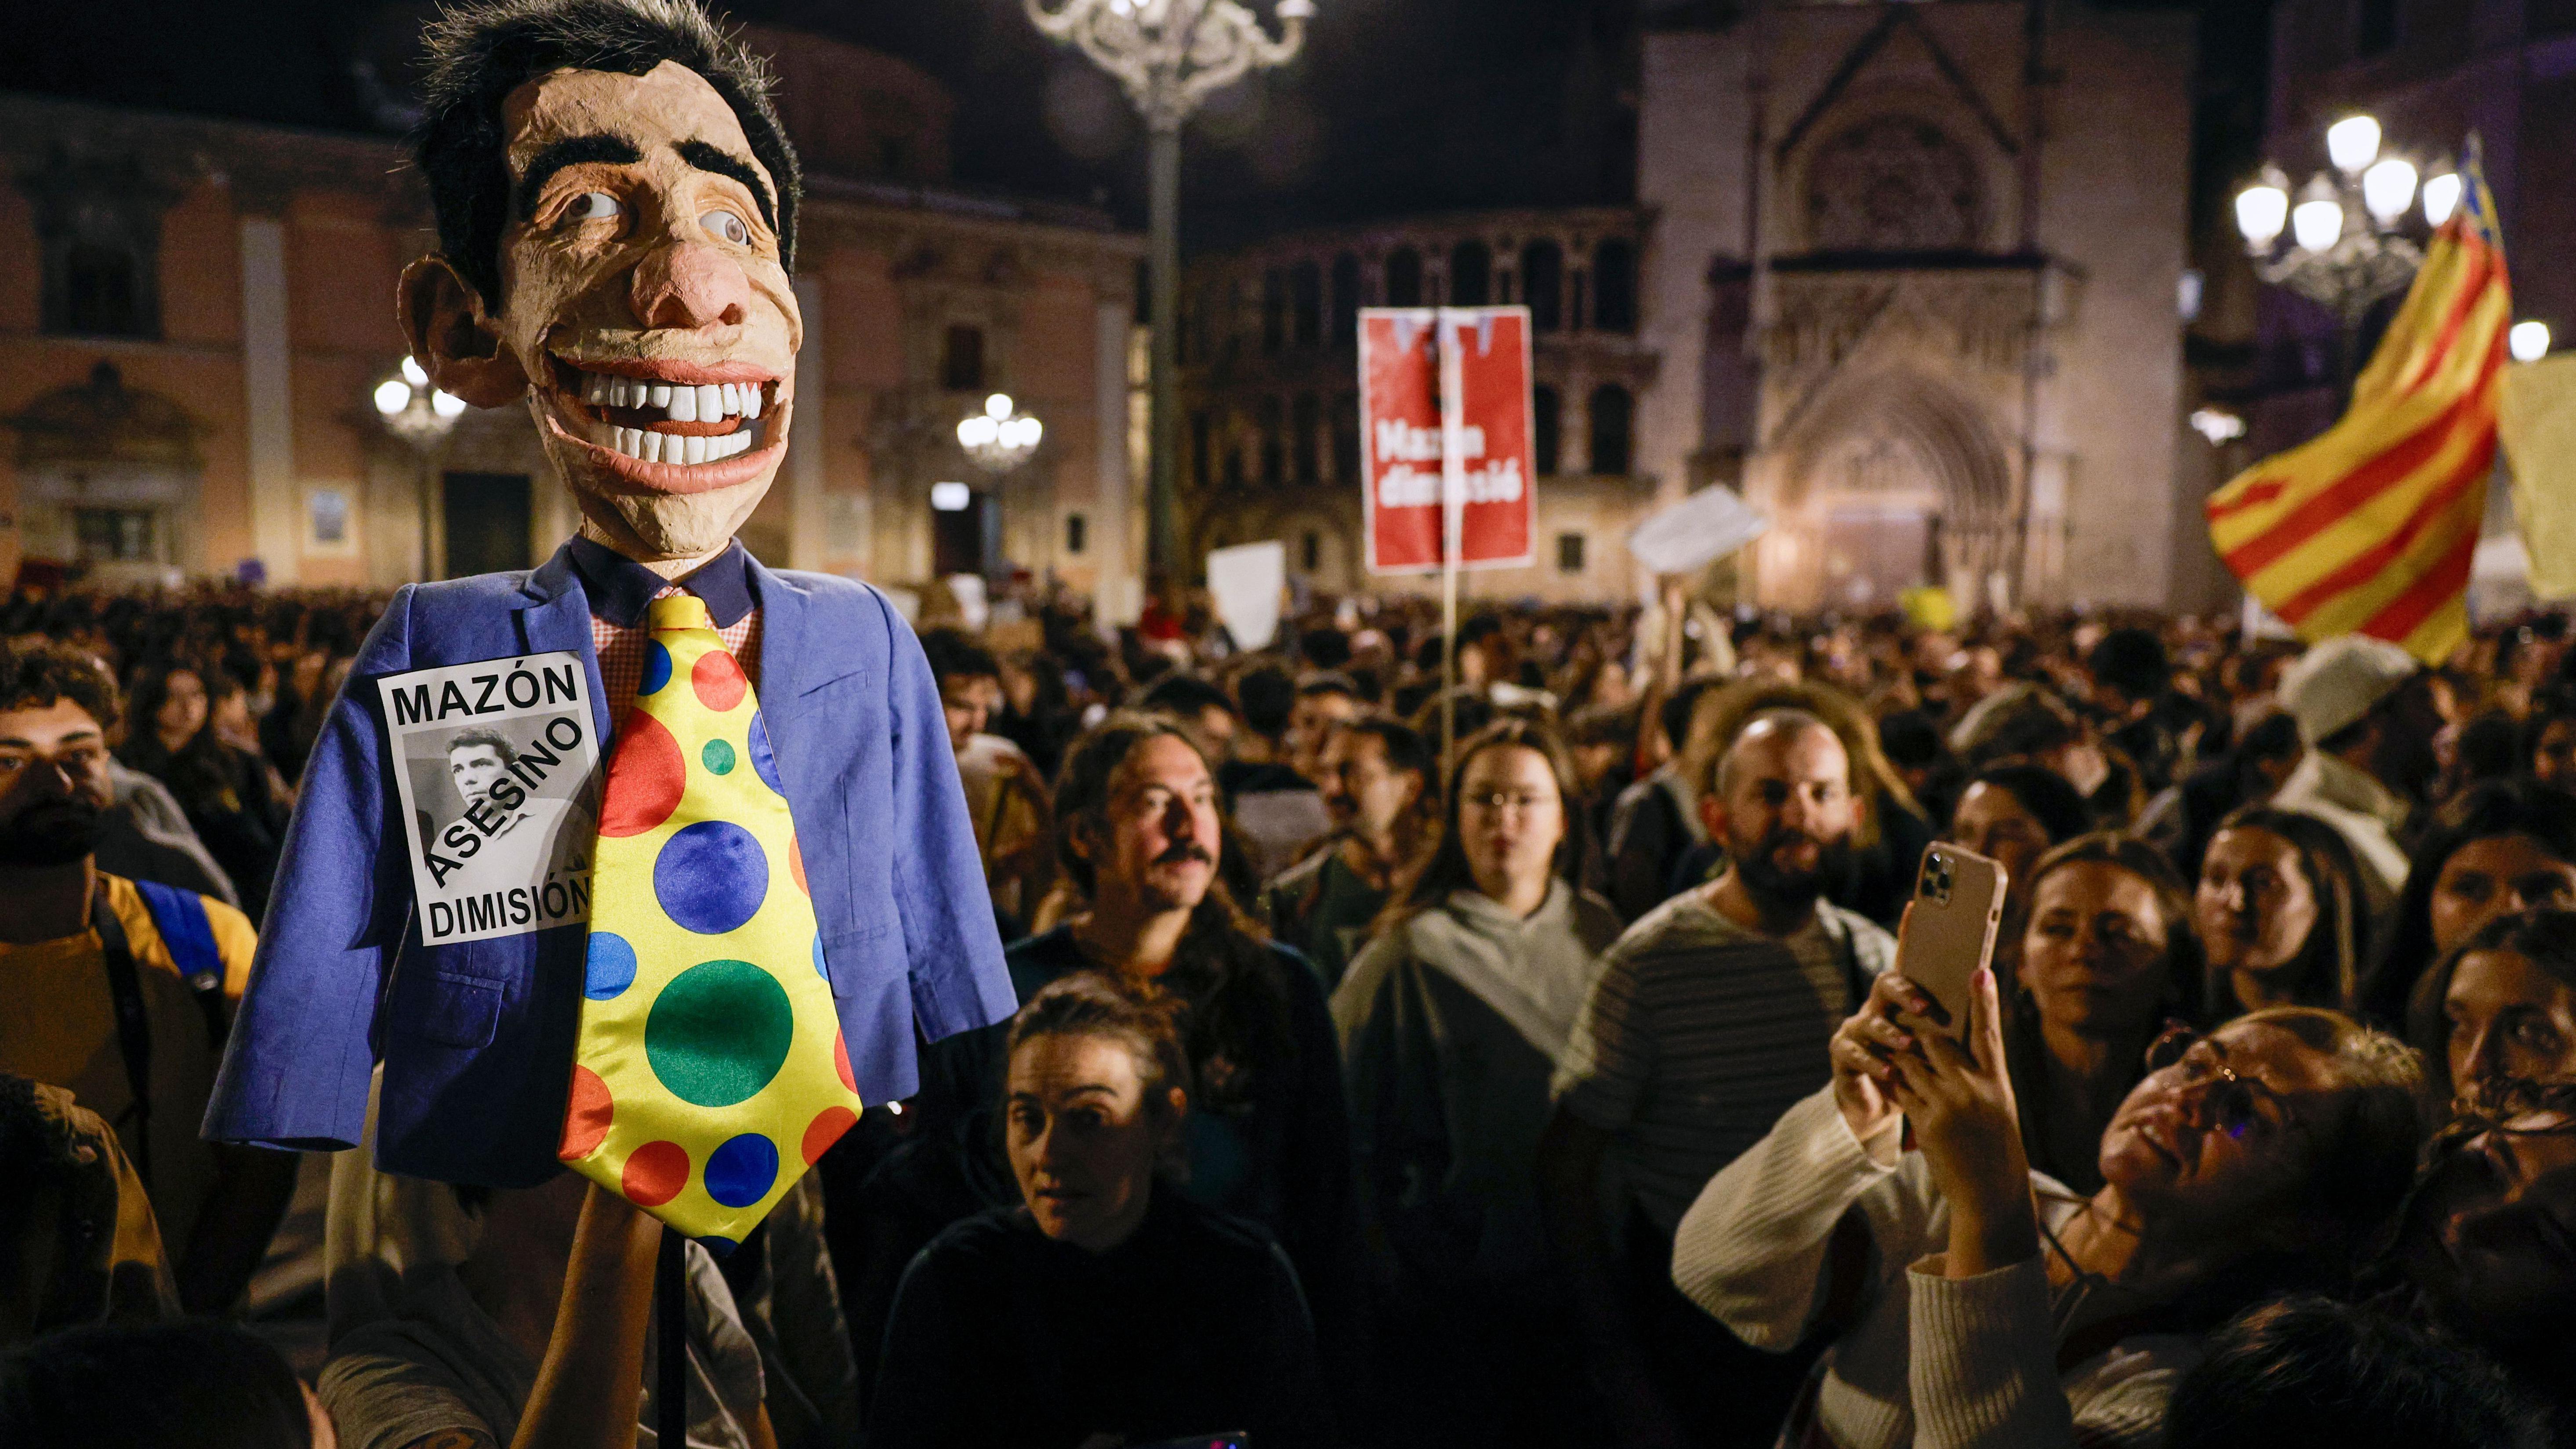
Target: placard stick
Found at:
x=1453, y=499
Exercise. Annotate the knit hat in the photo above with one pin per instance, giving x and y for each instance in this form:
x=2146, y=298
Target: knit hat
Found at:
x=2329, y=688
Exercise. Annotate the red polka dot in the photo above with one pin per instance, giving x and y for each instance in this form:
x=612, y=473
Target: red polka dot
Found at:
x=645, y=777
x=796, y=864
x=826, y=1129
x=841, y=1060
x=586, y=1119
x=655, y=1174
x=718, y=680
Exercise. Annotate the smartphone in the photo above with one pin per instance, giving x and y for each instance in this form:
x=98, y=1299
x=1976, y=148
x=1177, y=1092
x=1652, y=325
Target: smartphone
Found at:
x=1950, y=931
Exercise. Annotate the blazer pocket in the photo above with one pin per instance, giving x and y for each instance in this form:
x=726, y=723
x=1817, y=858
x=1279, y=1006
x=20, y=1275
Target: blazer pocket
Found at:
x=850, y=957
x=451, y=1010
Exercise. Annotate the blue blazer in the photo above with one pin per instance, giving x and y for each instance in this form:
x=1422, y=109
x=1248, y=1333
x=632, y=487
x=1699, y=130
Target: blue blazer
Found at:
x=477, y=1038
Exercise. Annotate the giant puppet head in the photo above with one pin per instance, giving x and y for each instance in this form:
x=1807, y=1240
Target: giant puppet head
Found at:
x=616, y=216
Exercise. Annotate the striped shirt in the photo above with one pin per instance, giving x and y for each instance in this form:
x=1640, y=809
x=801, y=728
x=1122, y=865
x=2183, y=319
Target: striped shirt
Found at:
x=1699, y=1033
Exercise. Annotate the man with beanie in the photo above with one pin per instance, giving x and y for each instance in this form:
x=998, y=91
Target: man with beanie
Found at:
x=2367, y=714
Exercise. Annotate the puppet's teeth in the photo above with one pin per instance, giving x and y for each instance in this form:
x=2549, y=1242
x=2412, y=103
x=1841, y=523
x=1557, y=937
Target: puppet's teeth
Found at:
x=684, y=404
x=694, y=451
x=657, y=395
x=630, y=441
x=732, y=396
x=710, y=402
x=751, y=400
x=652, y=447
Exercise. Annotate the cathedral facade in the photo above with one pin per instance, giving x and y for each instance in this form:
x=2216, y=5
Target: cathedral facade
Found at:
x=1914, y=282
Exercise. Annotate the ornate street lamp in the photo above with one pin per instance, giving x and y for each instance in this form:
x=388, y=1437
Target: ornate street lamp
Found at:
x=1000, y=438
x=2348, y=250
x=421, y=416
x=1170, y=55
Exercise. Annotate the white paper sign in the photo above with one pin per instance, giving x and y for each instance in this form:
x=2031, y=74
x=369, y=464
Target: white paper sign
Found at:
x=1696, y=532
x=1245, y=583
x=498, y=770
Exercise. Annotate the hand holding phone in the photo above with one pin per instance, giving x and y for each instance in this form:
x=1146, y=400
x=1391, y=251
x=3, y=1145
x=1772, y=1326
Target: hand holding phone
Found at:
x=1949, y=932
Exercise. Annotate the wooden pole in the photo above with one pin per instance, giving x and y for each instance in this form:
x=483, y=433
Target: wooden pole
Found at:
x=1453, y=496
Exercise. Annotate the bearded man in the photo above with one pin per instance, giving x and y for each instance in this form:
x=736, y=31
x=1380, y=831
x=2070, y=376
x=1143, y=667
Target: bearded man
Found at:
x=616, y=212
x=1710, y=1018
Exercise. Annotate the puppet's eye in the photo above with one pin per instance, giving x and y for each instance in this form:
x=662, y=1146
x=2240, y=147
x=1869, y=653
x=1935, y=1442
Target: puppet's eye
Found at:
x=727, y=225
x=593, y=206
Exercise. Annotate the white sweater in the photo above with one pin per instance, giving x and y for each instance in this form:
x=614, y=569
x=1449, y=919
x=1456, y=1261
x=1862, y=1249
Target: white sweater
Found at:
x=1931, y=1361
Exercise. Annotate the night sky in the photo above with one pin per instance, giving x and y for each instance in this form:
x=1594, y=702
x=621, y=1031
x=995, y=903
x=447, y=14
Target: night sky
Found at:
x=1397, y=107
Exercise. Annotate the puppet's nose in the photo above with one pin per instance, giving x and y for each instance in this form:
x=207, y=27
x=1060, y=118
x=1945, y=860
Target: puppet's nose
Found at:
x=690, y=284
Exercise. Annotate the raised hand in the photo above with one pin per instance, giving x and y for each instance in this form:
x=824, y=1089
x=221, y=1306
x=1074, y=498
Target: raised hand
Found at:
x=1959, y=1099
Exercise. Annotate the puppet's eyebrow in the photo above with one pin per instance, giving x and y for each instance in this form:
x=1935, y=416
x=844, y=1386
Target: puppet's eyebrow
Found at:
x=570, y=151
x=708, y=158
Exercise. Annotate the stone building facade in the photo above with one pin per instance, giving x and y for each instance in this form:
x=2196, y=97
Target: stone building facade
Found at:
x=1270, y=381
x=194, y=312
x=1914, y=288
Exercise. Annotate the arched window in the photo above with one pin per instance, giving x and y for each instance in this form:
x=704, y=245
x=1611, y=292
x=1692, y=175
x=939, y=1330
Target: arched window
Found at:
x=1547, y=430
x=1543, y=284
x=1614, y=286
x=1613, y=414
x=1346, y=300
x=1346, y=438
x=1305, y=420
x=1471, y=274
x=1404, y=278
x=1274, y=311
x=1306, y=304
x=961, y=359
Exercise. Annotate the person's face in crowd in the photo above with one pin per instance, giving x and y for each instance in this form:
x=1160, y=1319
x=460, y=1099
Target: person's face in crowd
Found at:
x=1311, y=723
x=2490, y=1235
x=232, y=717
x=2494, y=877
x=2553, y=755
x=2093, y=954
x=474, y=768
x=1993, y=822
x=1365, y=795
x=1787, y=811
x=2410, y=721
x=2255, y=906
x=1161, y=834
x=1083, y=1138
x=1511, y=818
x=2223, y=1136
x=966, y=701
x=1216, y=728
x=650, y=259
x=53, y=784
x=183, y=706
x=2508, y=1019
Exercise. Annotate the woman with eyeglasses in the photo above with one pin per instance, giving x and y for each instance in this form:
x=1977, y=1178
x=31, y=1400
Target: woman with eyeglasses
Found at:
x=2488, y=1242
x=1993, y=1306
x=2106, y=960
x=1451, y=1022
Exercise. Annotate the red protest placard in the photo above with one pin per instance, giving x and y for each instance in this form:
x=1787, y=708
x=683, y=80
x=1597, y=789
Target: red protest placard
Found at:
x=1478, y=360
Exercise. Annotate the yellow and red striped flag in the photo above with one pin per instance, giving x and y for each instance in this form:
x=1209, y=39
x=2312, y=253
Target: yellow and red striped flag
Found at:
x=2370, y=527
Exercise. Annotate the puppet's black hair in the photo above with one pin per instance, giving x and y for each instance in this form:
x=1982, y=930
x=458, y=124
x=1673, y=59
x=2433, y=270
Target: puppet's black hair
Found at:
x=480, y=52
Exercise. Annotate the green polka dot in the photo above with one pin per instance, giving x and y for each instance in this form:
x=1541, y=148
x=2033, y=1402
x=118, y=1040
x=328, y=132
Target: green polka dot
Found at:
x=719, y=1032
x=718, y=757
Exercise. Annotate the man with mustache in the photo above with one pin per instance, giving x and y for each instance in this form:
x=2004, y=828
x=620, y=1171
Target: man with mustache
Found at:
x=1711, y=1017
x=616, y=208
x=119, y=990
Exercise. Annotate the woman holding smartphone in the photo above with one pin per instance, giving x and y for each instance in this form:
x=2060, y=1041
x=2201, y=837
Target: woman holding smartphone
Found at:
x=1994, y=1307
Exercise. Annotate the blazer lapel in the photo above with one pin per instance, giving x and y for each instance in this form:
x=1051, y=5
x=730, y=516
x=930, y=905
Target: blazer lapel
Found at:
x=556, y=617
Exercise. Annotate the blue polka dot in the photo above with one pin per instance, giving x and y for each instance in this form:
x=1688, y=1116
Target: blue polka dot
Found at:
x=611, y=968
x=717, y=1245
x=740, y=1172
x=657, y=668
x=818, y=958
x=761, y=759
x=711, y=877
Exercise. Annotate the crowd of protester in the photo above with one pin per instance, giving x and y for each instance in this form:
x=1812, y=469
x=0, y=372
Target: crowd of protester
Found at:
x=1488, y=1040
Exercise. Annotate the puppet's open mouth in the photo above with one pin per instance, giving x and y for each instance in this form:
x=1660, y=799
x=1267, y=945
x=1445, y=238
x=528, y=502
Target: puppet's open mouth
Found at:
x=666, y=412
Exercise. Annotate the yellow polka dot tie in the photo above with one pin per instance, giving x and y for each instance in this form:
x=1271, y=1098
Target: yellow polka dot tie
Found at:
x=710, y=1071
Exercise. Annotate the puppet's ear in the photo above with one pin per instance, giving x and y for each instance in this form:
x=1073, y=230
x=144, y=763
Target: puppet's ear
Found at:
x=453, y=338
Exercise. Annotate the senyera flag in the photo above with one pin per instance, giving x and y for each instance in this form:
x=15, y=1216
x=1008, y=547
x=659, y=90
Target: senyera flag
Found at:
x=1477, y=360
x=2371, y=527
